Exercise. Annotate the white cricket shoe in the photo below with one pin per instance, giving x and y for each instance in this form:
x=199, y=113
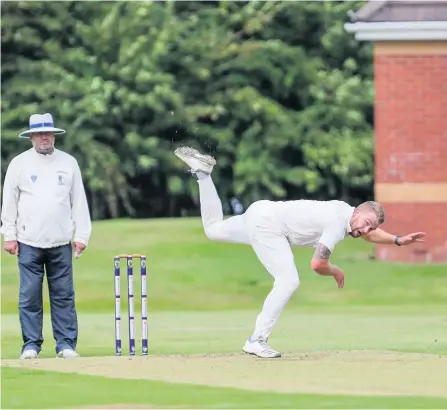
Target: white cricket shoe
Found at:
x=29, y=354
x=195, y=160
x=67, y=354
x=260, y=348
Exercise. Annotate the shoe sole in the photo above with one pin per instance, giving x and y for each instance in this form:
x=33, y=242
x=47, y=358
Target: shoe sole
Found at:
x=262, y=357
x=187, y=152
x=67, y=357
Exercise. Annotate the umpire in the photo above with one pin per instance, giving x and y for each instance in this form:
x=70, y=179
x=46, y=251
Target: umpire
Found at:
x=45, y=218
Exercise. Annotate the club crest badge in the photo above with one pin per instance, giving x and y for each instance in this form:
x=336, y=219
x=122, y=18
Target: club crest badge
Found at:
x=60, y=180
x=33, y=178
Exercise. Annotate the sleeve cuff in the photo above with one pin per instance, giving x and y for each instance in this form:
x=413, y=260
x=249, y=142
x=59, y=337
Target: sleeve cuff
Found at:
x=80, y=240
x=328, y=245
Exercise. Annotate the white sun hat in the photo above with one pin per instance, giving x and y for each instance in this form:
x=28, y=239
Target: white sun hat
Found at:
x=41, y=123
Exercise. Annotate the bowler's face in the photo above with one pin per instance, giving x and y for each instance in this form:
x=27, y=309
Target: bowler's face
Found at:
x=363, y=223
x=43, y=142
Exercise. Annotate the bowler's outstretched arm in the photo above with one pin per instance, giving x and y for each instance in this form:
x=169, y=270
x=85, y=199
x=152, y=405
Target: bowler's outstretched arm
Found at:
x=379, y=236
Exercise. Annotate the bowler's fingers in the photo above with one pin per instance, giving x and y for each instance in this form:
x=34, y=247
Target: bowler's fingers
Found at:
x=419, y=235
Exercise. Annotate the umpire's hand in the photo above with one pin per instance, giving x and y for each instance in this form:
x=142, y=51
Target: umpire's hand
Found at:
x=78, y=247
x=11, y=247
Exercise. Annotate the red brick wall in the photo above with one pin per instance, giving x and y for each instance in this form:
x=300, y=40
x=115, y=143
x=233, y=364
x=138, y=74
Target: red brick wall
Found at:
x=406, y=218
x=411, y=143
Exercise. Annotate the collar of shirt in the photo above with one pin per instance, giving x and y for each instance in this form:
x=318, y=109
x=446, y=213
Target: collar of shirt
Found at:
x=43, y=157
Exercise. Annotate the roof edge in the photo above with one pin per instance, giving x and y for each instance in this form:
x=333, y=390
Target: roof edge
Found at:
x=368, y=10
x=405, y=30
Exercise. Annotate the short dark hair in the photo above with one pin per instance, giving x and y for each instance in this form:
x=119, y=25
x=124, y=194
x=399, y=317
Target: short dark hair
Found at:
x=376, y=208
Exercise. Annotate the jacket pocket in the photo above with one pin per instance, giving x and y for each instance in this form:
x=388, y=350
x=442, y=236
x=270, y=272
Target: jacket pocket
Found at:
x=29, y=230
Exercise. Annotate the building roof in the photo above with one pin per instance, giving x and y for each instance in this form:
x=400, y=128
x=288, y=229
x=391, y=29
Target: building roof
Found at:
x=401, y=10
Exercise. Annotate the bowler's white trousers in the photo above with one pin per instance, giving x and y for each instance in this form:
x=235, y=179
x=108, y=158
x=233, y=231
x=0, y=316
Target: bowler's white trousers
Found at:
x=259, y=228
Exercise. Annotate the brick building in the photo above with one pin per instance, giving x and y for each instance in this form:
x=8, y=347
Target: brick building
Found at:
x=410, y=75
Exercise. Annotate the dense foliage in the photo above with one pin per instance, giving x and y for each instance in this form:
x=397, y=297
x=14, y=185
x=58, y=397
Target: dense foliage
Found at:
x=278, y=92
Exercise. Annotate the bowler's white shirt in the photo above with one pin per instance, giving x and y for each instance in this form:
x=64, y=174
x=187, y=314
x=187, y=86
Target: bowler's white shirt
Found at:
x=44, y=202
x=307, y=223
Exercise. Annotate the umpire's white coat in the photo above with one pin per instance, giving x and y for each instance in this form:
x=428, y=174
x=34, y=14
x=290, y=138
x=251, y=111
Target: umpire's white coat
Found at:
x=44, y=202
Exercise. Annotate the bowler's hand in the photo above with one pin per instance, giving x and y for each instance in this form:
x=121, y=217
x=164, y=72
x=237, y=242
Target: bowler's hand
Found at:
x=78, y=247
x=12, y=247
x=412, y=238
x=339, y=276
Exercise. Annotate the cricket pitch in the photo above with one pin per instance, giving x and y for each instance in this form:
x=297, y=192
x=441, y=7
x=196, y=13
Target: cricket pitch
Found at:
x=322, y=372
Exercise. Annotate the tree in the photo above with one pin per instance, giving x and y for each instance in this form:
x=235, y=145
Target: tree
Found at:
x=277, y=91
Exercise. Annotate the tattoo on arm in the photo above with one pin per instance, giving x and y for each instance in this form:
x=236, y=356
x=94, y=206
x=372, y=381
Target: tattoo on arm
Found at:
x=322, y=252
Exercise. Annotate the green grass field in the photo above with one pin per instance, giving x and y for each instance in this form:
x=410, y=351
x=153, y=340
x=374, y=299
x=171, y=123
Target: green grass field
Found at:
x=203, y=300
